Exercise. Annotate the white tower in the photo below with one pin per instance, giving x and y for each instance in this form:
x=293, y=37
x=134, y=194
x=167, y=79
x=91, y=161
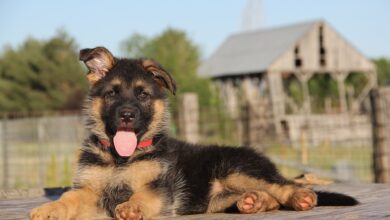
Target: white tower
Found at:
x=252, y=16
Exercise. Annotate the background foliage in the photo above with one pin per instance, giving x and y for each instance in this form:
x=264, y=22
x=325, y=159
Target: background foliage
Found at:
x=45, y=75
x=42, y=75
x=178, y=55
x=181, y=58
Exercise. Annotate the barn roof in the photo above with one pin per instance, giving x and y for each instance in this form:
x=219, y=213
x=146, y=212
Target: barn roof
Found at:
x=253, y=51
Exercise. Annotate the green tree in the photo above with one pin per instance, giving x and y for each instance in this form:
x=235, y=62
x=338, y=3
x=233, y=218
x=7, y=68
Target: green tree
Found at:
x=178, y=55
x=321, y=87
x=357, y=81
x=134, y=46
x=293, y=88
x=383, y=69
x=42, y=75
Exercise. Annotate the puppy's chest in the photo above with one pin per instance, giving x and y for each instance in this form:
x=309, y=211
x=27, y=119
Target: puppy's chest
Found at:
x=134, y=176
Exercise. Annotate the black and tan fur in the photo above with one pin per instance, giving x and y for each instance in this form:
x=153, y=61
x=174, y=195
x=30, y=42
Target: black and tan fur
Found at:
x=170, y=177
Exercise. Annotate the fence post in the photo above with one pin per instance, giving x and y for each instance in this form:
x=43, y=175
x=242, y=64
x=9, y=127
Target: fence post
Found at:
x=255, y=121
x=381, y=160
x=41, y=133
x=188, y=115
x=5, y=152
x=245, y=123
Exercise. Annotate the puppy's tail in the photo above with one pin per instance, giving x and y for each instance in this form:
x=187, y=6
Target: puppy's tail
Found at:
x=334, y=199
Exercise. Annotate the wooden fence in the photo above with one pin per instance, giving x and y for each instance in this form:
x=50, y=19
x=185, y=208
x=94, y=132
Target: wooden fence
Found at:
x=380, y=104
x=40, y=151
x=346, y=147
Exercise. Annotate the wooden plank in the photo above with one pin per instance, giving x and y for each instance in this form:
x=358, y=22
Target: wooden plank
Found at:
x=380, y=103
x=189, y=117
x=340, y=55
x=374, y=198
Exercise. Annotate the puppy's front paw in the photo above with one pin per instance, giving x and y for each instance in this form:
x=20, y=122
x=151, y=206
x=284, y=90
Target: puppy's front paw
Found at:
x=128, y=211
x=49, y=211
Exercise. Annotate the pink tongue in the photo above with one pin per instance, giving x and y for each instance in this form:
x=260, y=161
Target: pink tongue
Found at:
x=125, y=143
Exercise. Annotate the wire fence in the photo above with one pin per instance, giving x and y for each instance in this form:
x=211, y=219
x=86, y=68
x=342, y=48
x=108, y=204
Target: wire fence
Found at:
x=333, y=146
x=40, y=151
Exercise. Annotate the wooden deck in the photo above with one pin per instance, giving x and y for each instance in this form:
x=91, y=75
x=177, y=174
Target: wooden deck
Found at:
x=374, y=198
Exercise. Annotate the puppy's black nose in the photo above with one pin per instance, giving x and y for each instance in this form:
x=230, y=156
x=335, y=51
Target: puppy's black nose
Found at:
x=127, y=115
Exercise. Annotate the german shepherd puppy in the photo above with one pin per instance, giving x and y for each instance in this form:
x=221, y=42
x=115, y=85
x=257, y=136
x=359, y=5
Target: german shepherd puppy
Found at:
x=129, y=168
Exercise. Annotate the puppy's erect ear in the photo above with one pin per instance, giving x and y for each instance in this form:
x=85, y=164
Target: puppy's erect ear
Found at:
x=160, y=75
x=98, y=60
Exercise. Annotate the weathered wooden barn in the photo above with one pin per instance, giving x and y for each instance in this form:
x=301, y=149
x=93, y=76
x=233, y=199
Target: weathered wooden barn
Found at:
x=252, y=66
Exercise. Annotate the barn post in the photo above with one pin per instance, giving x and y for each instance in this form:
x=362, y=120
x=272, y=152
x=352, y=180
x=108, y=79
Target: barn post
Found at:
x=275, y=85
x=372, y=83
x=229, y=95
x=5, y=152
x=340, y=78
x=304, y=78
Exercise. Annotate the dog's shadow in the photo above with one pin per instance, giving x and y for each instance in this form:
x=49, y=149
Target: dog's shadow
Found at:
x=55, y=192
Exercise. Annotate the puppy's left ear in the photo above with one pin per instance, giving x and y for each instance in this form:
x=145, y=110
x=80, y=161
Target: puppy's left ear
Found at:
x=160, y=75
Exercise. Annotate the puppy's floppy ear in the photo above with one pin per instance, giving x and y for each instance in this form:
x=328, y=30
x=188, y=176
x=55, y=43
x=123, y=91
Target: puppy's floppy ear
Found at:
x=160, y=75
x=98, y=60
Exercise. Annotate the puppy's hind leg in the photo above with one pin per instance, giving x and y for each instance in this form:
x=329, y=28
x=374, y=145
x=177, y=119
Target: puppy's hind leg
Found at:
x=222, y=201
x=246, y=203
x=286, y=193
x=229, y=199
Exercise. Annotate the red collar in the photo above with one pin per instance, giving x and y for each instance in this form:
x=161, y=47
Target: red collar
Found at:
x=141, y=145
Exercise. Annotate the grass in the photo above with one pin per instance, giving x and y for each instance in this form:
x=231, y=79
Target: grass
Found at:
x=33, y=165
x=52, y=164
x=326, y=157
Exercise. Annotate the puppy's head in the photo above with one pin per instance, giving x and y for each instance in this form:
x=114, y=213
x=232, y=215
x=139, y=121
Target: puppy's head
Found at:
x=127, y=99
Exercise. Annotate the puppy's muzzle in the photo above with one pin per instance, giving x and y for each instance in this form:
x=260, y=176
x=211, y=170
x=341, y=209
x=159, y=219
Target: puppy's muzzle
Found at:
x=127, y=115
x=127, y=118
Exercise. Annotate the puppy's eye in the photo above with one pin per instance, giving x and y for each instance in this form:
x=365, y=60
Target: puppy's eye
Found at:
x=110, y=93
x=143, y=95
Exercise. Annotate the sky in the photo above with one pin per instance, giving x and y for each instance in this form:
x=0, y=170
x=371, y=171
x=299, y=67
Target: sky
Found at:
x=364, y=23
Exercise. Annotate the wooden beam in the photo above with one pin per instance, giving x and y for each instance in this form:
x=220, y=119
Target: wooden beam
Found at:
x=340, y=79
x=304, y=78
x=275, y=85
x=372, y=83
